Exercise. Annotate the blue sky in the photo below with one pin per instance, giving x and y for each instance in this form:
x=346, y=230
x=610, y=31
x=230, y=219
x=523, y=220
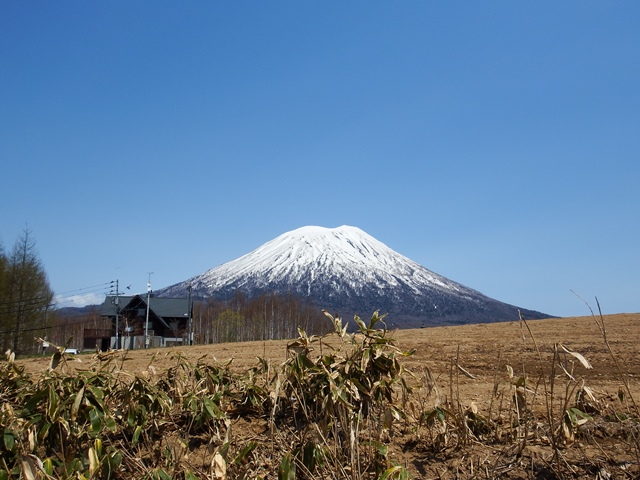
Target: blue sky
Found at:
x=496, y=143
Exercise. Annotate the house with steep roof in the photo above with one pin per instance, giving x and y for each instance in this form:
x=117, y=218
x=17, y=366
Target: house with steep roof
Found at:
x=167, y=325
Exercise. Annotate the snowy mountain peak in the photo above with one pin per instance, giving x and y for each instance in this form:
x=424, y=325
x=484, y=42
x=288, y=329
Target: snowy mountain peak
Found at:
x=321, y=238
x=346, y=270
x=308, y=245
x=302, y=257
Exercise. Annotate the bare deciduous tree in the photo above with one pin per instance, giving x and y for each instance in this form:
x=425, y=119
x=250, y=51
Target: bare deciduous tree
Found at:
x=25, y=296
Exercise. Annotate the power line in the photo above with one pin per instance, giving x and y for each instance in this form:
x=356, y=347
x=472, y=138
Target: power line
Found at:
x=10, y=305
x=25, y=305
x=104, y=285
x=49, y=327
x=72, y=298
x=69, y=299
x=84, y=292
x=29, y=299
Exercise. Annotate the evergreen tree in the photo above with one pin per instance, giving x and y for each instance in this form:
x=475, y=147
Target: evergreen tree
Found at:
x=25, y=297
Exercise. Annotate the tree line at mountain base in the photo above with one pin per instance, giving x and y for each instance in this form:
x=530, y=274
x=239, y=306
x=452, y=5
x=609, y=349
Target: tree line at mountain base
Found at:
x=265, y=317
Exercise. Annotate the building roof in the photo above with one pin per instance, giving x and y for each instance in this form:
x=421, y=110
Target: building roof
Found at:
x=161, y=307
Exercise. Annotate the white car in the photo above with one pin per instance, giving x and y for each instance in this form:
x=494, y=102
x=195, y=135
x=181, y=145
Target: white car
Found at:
x=73, y=351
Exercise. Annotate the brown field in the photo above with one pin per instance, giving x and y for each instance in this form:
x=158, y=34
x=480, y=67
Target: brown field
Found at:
x=480, y=349
x=483, y=352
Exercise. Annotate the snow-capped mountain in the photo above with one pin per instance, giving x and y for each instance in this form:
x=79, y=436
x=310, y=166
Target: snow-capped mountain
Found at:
x=346, y=271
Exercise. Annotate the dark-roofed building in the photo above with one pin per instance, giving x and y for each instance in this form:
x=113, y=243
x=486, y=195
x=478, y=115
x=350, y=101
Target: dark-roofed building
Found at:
x=168, y=321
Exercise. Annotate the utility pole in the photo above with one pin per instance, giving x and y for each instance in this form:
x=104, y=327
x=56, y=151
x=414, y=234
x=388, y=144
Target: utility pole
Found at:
x=189, y=327
x=146, y=323
x=117, y=303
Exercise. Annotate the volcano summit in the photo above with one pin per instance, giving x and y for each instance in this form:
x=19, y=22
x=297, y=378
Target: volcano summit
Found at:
x=346, y=271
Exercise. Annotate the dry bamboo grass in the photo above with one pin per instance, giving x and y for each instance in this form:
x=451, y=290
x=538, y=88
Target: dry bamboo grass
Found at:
x=312, y=414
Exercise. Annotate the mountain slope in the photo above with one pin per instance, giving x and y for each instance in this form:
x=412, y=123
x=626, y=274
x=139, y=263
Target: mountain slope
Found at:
x=347, y=271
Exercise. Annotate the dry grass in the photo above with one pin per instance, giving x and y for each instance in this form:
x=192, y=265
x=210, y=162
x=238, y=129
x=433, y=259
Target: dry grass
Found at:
x=509, y=400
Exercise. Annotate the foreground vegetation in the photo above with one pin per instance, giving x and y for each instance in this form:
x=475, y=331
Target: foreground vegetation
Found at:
x=340, y=406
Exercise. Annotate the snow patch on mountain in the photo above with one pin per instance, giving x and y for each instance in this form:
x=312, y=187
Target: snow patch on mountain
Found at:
x=346, y=269
x=313, y=253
